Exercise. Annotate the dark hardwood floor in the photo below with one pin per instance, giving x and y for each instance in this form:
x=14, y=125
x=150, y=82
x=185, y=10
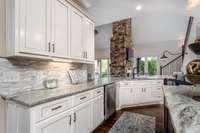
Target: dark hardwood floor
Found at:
x=155, y=111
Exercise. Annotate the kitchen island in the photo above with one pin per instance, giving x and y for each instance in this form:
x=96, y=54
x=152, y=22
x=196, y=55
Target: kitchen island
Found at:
x=182, y=113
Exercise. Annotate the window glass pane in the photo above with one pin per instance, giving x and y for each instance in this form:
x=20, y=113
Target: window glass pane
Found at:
x=152, y=65
x=141, y=66
x=104, y=67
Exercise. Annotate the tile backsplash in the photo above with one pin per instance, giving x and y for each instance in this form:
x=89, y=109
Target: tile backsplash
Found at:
x=24, y=74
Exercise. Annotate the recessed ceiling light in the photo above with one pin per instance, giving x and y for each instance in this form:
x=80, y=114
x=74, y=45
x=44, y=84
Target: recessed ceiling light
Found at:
x=139, y=7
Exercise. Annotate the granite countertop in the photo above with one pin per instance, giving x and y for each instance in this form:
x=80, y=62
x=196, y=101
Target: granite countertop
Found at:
x=134, y=123
x=184, y=111
x=35, y=97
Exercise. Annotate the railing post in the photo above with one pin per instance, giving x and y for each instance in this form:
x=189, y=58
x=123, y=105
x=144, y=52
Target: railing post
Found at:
x=161, y=70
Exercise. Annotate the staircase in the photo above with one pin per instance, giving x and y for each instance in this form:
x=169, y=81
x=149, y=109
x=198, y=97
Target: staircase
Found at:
x=176, y=64
x=173, y=66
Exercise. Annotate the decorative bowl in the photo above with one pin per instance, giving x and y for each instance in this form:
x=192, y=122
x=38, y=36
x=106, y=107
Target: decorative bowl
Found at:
x=195, y=47
x=193, y=71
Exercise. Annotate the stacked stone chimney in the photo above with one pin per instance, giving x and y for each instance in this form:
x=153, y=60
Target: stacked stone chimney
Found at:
x=121, y=40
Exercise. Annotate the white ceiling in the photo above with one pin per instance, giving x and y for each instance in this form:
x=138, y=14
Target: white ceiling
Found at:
x=158, y=21
x=107, y=11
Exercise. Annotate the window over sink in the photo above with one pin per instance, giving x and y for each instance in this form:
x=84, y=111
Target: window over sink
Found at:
x=147, y=65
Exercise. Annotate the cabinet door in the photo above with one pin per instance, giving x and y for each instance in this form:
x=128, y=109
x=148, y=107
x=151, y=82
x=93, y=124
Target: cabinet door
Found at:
x=126, y=96
x=76, y=34
x=60, y=28
x=98, y=111
x=146, y=94
x=137, y=95
x=157, y=94
x=59, y=124
x=82, y=118
x=89, y=39
x=35, y=26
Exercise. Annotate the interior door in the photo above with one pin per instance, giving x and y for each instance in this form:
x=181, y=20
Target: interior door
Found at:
x=89, y=39
x=35, y=26
x=82, y=118
x=76, y=36
x=60, y=28
x=58, y=124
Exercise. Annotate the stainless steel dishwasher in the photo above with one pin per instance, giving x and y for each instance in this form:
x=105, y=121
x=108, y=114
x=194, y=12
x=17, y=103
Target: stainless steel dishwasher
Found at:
x=109, y=100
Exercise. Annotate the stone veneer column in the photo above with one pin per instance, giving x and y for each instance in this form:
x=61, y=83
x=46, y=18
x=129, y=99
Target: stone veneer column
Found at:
x=122, y=39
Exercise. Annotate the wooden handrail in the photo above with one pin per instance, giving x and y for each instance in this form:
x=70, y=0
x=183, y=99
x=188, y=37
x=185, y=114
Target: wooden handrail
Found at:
x=171, y=61
x=162, y=67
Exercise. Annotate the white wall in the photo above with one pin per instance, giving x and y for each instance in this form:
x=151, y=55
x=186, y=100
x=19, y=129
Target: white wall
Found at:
x=164, y=27
x=102, y=41
x=152, y=34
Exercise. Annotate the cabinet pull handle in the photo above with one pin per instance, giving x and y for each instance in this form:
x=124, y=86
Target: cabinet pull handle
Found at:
x=49, y=47
x=56, y=108
x=86, y=55
x=98, y=92
x=74, y=117
x=83, y=98
x=53, y=45
x=70, y=120
x=83, y=54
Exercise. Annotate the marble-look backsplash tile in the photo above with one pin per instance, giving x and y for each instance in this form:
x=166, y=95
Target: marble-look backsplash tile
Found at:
x=22, y=74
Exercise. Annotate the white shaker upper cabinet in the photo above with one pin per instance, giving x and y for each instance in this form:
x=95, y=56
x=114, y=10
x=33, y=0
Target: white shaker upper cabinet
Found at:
x=76, y=34
x=60, y=29
x=89, y=39
x=34, y=23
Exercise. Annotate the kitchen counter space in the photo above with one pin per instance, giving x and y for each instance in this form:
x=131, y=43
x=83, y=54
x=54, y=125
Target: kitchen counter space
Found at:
x=184, y=111
x=35, y=97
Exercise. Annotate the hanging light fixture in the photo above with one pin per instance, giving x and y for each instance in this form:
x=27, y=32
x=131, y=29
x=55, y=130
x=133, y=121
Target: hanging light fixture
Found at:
x=193, y=3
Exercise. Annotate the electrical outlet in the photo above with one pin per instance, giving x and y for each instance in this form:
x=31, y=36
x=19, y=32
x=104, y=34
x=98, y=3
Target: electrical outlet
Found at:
x=11, y=76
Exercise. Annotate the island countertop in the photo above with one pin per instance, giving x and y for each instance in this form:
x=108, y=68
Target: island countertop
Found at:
x=184, y=111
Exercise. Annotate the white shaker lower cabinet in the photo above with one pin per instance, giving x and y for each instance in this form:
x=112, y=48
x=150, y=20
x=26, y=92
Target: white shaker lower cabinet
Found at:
x=98, y=114
x=80, y=113
x=126, y=96
x=143, y=92
x=83, y=118
x=58, y=124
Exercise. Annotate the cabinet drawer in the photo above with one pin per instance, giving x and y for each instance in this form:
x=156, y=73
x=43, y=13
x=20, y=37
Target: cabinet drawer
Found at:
x=83, y=97
x=49, y=109
x=157, y=90
x=158, y=98
x=126, y=84
x=98, y=92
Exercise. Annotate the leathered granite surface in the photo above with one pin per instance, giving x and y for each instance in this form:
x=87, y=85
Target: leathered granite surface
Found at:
x=134, y=123
x=36, y=97
x=183, y=110
x=33, y=97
